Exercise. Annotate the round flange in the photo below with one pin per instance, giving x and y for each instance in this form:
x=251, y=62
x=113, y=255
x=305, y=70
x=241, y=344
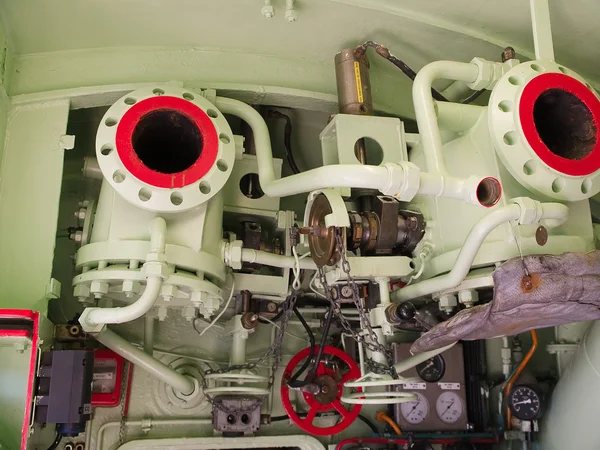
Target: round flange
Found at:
x=323, y=248
x=331, y=384
x=544, y=121
x=173, y=402
x=165, y=148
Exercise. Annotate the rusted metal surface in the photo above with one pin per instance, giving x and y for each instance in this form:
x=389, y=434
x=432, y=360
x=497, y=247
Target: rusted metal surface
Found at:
x=322, y=246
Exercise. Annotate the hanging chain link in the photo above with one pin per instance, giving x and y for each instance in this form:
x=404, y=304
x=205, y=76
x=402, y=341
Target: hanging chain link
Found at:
x=372, y=343
x=274, y=352
x=123, y=396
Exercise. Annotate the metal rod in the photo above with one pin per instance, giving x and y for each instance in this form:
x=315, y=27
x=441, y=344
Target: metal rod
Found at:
x=145, y=362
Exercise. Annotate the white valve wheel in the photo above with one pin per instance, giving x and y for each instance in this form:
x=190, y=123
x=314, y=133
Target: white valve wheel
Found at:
x=165, y=149
x=544, y=121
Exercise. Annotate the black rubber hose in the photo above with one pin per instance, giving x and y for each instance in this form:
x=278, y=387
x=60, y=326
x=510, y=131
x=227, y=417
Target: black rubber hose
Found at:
x=328, y=321
x=287, y=138
x=57, y=440
x=474, y=96
x=311, y=338
x=405, y=68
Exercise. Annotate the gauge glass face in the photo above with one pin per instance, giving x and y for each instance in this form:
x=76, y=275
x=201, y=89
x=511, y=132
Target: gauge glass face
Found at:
x=449, y=407
x=417, y=411
x=432, y=370
x=525, y=403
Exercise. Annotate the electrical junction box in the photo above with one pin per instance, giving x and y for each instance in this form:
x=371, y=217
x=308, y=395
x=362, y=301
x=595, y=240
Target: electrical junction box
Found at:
x=442, y=402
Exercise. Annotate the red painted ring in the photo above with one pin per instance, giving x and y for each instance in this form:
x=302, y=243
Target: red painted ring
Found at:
x=347, y=418
x=131, y=161
x=532, y=91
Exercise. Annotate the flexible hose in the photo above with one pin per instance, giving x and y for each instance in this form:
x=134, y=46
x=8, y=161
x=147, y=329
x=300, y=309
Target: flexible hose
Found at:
x=511, y=381
x=383, y=417
x=57, y=440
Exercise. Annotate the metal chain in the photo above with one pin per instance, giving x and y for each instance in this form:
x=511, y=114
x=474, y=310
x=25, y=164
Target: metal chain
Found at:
x=123, y=396
x=274, y=352
x=372, y=343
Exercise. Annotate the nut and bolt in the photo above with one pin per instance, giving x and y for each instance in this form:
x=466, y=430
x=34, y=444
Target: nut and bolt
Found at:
x=315, y=231
x=249, y=320
x=508, y=54
x=271, y=307
x=346, y=291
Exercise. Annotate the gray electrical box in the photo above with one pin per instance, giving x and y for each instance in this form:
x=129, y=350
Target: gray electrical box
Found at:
x=441, y=403
x=65, y=387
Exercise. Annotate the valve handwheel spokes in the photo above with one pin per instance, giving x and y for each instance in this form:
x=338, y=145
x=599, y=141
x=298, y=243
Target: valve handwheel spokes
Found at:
x=329, y=393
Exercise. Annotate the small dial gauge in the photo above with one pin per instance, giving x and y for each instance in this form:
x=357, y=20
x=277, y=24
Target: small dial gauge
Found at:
x=449, y=407
x=432, y=370
x=417, y=411
x=525, y=403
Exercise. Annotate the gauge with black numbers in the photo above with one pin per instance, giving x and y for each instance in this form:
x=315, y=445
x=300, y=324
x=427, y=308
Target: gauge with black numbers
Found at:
x=449, y=407
x=432, y=370
x=525, y=403
x=417, y=411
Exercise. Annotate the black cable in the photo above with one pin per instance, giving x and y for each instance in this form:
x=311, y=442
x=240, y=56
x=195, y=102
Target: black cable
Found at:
x=385, y=53
x=287, y=138
x=59, y=437
x=313, y=371
x=474, y=96
x=328, y=321
x=368, y=423
x=311, y=337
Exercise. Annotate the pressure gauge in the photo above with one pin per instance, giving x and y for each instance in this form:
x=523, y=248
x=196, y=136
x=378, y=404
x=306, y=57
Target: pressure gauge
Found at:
x=449, y=407
x=432, y=370
x=417, y=411
x=525, y=403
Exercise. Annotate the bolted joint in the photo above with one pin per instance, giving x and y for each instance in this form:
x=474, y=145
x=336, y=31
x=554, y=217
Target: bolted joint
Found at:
x=249, y=320
x=232, y=254
x=268, y=11
x=489, y=73
x=99, y=288
x=157, y=269
x=131, y=287
x=468, y=297
x=447, y=303
x=90, y=326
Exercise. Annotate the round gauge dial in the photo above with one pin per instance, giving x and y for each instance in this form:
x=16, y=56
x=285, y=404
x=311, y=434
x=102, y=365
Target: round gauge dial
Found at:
x=432, y=370
x=417, y=411
x=525, y=403
x=449, y=407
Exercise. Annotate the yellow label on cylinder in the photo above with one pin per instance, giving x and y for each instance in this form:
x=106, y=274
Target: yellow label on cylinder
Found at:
x=359, y=91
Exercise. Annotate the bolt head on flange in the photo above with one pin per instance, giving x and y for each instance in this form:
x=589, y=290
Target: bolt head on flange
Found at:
x=165, y=148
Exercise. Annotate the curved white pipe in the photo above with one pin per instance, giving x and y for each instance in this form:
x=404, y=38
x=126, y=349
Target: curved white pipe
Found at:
x=402, y=180
x=425, y=109
x=144, y=361
x=92, y=317
x=270, y=259
x=415, y=360
x=99, y=316
x=551, y=212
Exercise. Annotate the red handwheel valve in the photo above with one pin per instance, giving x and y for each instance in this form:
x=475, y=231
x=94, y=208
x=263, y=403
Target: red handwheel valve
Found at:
x=326, y=391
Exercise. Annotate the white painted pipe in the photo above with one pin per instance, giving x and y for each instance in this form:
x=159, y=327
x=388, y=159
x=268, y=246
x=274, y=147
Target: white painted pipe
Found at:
x=475, y=190
x=271, y=259
x=149, y=334
x=456, y=116
x=384, y=291
x=99, y=316
x=425, y=110
x=92, y=317
x=145, y=362
x=550, y=212
x=572, y=417
x=238, y=349
x=391, y=179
